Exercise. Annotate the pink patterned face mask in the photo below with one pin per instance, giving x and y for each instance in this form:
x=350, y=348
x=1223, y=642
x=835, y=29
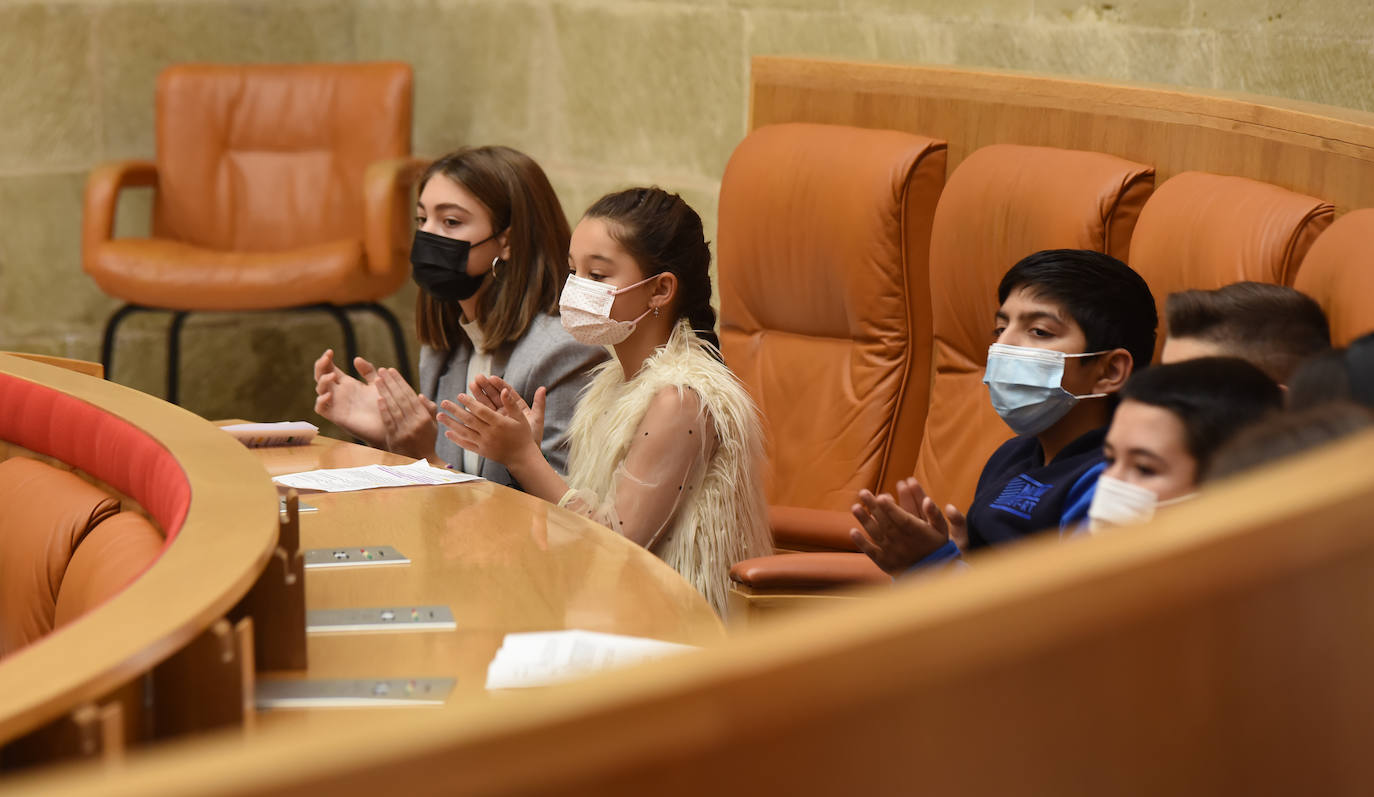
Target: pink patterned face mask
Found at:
x=586, y=311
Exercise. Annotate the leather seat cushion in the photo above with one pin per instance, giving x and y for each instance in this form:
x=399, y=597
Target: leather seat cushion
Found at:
x=111, y=557
x=808, y=570
x=46, y=513
x=156, y=272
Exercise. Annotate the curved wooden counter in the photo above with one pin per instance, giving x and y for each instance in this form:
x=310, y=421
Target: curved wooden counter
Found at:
x=227, y=536
x=503, y=561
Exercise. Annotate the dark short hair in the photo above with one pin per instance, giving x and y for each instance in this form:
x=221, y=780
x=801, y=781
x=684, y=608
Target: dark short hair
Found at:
x=1272, y=326
x=1105, y=297
x=1338, y=375
x=1214, y=398
x=1287, y=433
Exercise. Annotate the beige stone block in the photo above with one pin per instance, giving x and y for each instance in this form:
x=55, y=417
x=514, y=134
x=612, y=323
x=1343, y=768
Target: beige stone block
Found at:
x=1100, y=51
x=484, y=71
x=935, y=10
x=41, y=281
x=1156, y=13
x=1344, y=19
x=914, y=40
x=650, y=86
x=1334, y=72
x=136, y=40
x=803, y=5
x=813, y=34
x=46, y=92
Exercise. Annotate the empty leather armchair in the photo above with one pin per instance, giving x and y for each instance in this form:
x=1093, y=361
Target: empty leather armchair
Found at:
x=1339, y=273
x=823, y=242
x=276, y=187
x=1203, y=231
x=1001, y=204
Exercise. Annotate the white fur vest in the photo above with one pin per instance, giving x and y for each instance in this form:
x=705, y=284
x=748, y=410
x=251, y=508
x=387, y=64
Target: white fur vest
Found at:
x=725, y=519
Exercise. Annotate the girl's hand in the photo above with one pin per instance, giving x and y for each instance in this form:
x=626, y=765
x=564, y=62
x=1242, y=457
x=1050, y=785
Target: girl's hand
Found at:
x=349, y=403
x=407, y=417
x=501, y=436
x=487, y=389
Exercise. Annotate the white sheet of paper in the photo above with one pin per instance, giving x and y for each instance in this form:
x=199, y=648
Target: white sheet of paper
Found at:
x=283, y=433
x=368, y=477
x=544, y=657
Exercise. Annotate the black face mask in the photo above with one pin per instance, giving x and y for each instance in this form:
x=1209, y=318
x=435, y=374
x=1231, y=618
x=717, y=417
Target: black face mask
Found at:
x=440, y=266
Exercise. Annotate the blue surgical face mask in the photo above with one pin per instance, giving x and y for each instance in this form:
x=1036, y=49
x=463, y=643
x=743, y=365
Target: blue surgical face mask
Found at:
x=1027, y=386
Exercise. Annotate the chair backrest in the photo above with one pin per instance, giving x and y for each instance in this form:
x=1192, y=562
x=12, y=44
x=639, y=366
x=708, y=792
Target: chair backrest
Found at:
x=1339, y=273
x=45, y=513
x=110, y=558
x=270, y=157
x=823, y=245
x=1005, y=202
x=1203, y=231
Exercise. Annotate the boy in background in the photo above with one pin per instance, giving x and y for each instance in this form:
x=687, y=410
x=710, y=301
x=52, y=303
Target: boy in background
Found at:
x=1071, y=328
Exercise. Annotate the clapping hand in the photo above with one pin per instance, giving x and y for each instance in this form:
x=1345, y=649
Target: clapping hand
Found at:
x=898, y=533
x=487, y=389
x=408, y=418
x=349, y=403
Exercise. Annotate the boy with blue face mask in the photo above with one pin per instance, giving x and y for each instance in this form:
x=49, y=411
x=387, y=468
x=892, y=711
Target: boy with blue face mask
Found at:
x=1071, y=328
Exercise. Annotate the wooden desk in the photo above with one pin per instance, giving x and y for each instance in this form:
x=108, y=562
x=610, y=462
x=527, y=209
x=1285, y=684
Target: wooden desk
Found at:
x=502, y=560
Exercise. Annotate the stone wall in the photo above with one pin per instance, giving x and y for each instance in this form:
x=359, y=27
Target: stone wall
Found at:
x=603, y=93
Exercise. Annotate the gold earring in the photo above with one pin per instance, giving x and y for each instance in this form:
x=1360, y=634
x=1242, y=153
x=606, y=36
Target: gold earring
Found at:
x=496, y=267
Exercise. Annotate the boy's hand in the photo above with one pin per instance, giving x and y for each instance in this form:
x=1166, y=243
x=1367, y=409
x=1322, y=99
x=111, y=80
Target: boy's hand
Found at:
x=898, y=533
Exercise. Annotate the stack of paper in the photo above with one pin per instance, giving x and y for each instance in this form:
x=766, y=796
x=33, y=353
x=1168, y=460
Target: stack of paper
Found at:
x=285, y=433
x=545, y=657
x=367, y=477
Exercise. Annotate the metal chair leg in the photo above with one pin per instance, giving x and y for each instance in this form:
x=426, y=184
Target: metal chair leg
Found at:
x=398, y=338
x=174, y=353
x=350, y=340
x=107, y=342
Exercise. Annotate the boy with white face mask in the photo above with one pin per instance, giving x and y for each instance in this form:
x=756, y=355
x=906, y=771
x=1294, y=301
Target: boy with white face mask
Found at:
x=1071, y=328
x=1172, y=420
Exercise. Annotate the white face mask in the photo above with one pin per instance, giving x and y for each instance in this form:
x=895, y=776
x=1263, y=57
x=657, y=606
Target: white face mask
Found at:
x=585, y=308
x=1026, y=386
x=1120, y=503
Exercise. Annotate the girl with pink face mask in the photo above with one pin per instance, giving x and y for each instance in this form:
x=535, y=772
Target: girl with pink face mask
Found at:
x=665, y=444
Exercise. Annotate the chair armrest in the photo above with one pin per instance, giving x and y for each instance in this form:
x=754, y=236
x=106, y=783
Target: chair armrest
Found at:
x=812, y=570
x=102, y=196
x=388, y=210
x=800, y=529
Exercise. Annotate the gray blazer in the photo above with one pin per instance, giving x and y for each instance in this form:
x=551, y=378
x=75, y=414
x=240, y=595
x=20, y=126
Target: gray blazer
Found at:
x=545, y=356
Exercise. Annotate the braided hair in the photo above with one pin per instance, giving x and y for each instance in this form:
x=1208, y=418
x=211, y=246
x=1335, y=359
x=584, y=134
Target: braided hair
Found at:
x=662, y=233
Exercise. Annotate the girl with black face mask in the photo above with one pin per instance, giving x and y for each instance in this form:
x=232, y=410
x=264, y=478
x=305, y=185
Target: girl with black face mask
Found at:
x=488, y=256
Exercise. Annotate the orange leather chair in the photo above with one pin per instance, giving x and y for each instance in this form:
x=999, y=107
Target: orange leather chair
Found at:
x=1339, y=273
x=1201, y=231
x=1001, y=204
x=47, y=513
x=276, y=188
x=110, y=558
x=823, y=243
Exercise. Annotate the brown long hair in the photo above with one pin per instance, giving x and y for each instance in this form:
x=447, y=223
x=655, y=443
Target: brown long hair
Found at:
x=662, y=233
x=517, y=194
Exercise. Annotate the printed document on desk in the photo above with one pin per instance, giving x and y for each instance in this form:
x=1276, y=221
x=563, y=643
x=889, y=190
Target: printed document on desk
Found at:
x=540, y=658
x=369, y=477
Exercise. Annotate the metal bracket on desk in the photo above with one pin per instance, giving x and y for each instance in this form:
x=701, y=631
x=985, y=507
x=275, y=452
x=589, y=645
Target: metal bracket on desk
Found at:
x=277, y=601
